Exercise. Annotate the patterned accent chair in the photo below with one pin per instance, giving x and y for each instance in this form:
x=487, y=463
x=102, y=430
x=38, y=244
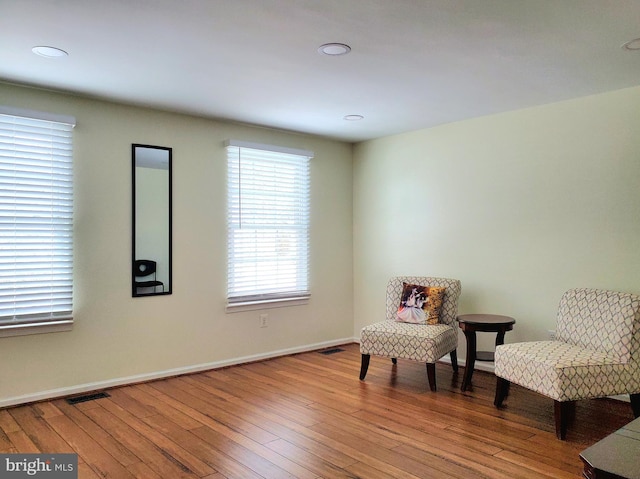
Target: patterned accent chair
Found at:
x=596, y=353
x=417, y=342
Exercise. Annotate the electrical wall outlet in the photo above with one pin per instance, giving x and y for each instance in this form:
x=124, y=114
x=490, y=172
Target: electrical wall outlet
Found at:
x=264, y=320
x=552, y=334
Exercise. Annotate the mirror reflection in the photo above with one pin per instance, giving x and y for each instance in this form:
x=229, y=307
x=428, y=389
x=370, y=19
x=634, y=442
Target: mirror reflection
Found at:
x=151, y=260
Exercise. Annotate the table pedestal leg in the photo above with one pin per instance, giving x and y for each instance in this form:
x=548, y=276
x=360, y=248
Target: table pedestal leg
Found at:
x=470, y=359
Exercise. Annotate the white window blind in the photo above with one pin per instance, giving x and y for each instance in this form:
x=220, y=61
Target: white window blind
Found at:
x=36, y=222
x=268, y=223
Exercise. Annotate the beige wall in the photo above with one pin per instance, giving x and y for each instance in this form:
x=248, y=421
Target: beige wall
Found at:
x=117, y=338
x=519, y=206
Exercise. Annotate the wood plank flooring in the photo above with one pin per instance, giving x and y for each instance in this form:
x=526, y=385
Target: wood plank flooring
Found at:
x=308, y=416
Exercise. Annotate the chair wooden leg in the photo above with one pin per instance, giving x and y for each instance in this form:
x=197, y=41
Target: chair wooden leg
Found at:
x=394, y=360
x=561, y=411
x=635, y=404
x=364, y=366
x=431, y=375
x=502, y=390
x=454, y=360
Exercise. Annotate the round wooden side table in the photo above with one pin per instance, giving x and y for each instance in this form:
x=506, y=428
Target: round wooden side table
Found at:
x=486, y=323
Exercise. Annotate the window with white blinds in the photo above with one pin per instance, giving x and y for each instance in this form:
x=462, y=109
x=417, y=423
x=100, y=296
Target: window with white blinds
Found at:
x=268, y=223
x=36, y=222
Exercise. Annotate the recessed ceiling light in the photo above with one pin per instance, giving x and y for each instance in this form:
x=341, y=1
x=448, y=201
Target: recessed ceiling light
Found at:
x=354, y=117
x=334, y=49
x=49, y=52
x=632, y=44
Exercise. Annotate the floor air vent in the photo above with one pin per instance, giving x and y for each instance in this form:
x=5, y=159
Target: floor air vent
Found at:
x=86, y=397
x=331, y=351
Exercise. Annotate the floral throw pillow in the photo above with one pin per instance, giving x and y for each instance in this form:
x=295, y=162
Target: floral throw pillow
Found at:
x=420, y=304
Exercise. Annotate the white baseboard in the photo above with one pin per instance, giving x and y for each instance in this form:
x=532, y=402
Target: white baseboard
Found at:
x=621, y=397
x=480, y=365
x=98, y=385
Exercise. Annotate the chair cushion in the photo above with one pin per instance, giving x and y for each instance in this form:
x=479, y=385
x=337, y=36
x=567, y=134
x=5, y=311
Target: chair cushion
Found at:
x=420, y=304
x=565, y=372
x=419, y=342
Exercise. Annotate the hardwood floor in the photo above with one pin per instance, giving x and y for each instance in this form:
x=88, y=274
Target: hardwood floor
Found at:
x=308, y=416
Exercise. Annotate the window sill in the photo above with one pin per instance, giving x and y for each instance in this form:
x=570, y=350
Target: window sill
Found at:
x=266, y=304
x=9, y=330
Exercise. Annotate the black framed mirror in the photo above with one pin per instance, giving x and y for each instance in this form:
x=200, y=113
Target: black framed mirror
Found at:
x=151, y=233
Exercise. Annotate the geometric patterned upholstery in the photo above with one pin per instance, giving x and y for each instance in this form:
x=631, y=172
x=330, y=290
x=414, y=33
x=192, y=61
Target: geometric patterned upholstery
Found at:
x=418, y=342
x=600, y=320
x=596, y=352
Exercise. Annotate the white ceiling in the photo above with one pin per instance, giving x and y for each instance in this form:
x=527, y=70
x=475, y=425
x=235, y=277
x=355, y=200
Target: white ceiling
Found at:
x=413, y=64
